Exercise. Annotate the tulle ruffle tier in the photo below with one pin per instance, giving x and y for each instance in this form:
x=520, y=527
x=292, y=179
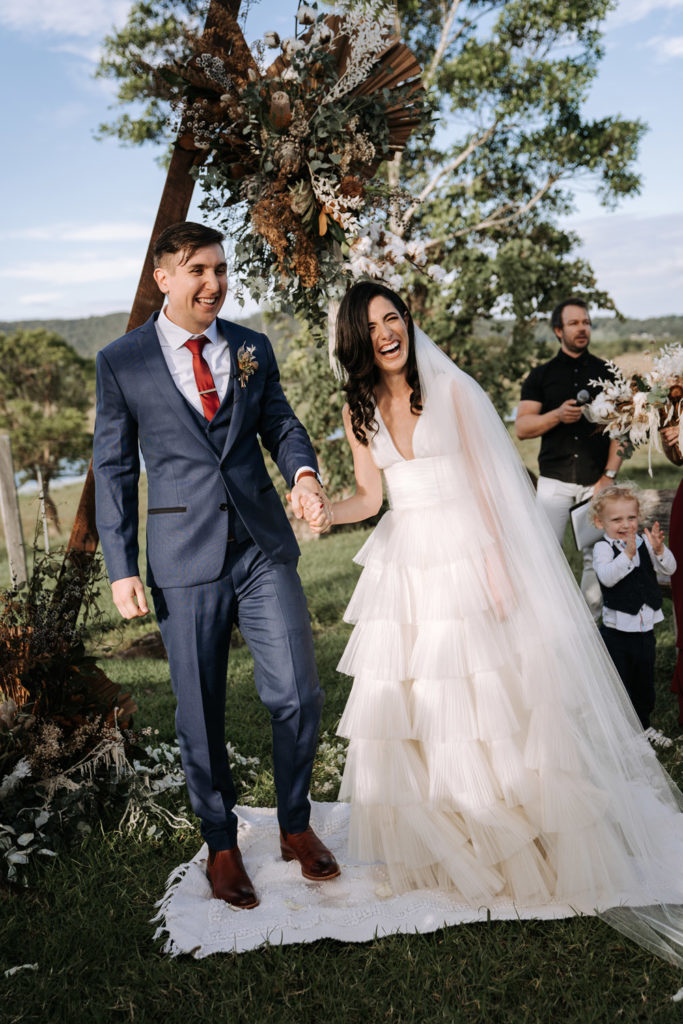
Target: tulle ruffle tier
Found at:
x=467, y=769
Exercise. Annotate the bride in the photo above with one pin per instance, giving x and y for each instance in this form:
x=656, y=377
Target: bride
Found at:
x=493, y=751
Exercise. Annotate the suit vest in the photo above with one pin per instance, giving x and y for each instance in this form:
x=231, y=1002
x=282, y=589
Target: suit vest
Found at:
x=216, y=431
x=638, y=588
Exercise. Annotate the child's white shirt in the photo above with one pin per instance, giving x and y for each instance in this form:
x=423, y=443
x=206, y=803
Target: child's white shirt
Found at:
x=610, y=570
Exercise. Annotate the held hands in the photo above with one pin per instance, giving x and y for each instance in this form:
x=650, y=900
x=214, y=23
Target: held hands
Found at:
x=310, y=502
x=129, y=597
x=655, y=536
x=318, y=513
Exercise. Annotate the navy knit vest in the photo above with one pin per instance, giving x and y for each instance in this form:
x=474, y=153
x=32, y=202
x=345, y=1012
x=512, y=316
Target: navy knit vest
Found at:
x=638, y=588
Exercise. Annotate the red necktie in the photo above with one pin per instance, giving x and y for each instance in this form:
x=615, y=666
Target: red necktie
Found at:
x=202, y=375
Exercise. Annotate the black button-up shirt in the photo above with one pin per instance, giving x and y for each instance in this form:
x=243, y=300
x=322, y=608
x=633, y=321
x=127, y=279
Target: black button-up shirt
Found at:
x=573, y=452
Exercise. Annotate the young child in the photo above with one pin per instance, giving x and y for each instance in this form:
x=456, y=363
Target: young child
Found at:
x=627, y=565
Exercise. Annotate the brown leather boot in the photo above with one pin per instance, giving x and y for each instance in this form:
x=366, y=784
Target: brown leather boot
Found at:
x=317, y=862
x=229, y=879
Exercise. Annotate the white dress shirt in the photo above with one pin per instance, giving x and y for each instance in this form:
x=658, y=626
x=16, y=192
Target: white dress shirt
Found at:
x=172, y=340
x=610, y=569
x=179, y=359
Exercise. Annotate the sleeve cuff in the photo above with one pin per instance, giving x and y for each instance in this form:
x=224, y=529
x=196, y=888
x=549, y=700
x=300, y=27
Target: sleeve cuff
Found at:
x=307, y=471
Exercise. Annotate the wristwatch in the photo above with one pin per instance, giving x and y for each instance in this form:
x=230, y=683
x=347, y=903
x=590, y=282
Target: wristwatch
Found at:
x=611, y=473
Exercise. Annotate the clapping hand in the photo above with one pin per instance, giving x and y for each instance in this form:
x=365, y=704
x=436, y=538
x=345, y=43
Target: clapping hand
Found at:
x=630, y=548
x=656, y=538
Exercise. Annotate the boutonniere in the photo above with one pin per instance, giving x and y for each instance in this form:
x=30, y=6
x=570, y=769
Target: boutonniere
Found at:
x=246, y=364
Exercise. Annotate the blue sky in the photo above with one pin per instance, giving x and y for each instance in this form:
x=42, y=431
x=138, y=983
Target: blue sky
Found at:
x=76, y=213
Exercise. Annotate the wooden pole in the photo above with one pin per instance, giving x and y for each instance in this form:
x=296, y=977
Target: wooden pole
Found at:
x=173, y=206
x=9, y=506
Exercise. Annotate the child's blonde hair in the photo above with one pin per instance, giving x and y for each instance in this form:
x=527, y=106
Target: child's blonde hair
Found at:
x=615, y=492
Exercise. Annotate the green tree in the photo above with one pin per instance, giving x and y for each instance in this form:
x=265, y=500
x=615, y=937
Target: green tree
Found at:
x=483, y=188
x=508, y=81
x=46, y=391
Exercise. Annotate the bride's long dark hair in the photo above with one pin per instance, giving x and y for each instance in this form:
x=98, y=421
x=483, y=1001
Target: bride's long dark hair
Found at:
x=356, y=355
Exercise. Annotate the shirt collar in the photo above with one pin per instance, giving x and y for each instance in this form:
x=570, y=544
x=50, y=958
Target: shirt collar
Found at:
x=573, y=360
x=176, y=336
x=622, y=543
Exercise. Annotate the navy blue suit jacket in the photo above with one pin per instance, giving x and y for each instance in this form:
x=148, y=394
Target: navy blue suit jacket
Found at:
x=188, y=480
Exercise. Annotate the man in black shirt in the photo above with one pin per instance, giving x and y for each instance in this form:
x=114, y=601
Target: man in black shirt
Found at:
x=576, y=459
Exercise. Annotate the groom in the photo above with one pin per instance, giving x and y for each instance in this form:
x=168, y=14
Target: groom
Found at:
x=196, y=393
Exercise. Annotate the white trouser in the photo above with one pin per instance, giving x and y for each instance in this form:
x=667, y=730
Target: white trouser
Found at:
x=556, y=498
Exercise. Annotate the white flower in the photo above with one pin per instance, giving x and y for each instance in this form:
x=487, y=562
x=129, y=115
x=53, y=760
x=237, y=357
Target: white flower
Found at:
x=367, y=29
x=322, y=35
x=306, y=15
x=21, y=967
x=417, y=251
x=290, y=75
x=394, y=246
x=436, y=273
x=271, y=39
x=395, y=281
x=291, y=45
x=361, y=246
x=361, y=266
x=669, y=363
x=21, y=770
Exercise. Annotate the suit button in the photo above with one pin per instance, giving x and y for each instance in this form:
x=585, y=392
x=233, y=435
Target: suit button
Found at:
x=223, y=506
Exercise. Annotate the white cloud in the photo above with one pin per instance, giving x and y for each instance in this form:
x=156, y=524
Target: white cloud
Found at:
x=667, y=47
x=39, y=298
x=80, y=18
x=87, y=270
x=630, y=11
x=638, y=260
x=86, y=51
x=106, y=231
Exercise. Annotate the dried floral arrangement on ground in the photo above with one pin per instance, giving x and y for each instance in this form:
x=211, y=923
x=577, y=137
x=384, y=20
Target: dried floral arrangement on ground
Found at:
x=67, y=754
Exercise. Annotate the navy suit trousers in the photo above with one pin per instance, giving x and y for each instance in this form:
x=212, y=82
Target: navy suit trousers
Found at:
x=267, y=602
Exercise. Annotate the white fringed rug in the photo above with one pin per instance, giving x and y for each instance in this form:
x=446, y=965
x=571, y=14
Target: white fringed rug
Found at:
x=355, y=907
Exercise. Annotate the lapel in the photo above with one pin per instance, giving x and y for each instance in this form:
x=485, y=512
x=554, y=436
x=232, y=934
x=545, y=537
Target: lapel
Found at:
x=148, y=341
x=239, y=393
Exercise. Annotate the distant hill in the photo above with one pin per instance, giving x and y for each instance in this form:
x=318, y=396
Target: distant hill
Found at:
x=610, y=336
x=89, y=334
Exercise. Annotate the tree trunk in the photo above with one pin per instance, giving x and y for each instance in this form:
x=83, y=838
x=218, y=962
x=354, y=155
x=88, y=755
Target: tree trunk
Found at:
x=51, y=510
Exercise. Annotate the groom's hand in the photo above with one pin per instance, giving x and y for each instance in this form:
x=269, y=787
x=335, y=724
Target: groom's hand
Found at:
x=310, y=502
x=317, y=513
x=129, y=597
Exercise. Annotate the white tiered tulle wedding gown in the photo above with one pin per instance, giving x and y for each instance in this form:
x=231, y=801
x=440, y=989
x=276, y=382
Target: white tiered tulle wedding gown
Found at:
x=493, y=751
x=495, y=764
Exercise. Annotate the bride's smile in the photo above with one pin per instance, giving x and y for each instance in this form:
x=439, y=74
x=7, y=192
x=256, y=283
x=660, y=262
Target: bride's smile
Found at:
x=389, y=335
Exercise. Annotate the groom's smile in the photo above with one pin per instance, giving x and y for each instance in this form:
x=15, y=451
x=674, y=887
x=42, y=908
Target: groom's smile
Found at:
x=196, y=286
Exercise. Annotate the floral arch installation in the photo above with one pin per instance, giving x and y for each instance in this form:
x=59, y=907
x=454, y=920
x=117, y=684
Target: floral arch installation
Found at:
x=293, y=152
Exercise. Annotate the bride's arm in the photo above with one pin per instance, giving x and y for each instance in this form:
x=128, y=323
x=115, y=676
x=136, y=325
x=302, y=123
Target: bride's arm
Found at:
x=367, y=499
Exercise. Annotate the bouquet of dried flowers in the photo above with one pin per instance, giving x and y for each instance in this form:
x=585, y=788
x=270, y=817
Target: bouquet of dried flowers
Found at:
x=291, y=151
x=634, y=409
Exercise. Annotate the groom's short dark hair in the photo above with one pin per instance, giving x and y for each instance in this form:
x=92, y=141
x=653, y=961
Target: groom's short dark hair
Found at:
x=185, y=238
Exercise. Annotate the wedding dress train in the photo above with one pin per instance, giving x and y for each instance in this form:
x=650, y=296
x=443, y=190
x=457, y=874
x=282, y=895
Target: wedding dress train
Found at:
x=493, y=751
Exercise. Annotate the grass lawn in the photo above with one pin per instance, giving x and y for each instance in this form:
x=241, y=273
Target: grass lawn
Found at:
x=84, y=920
